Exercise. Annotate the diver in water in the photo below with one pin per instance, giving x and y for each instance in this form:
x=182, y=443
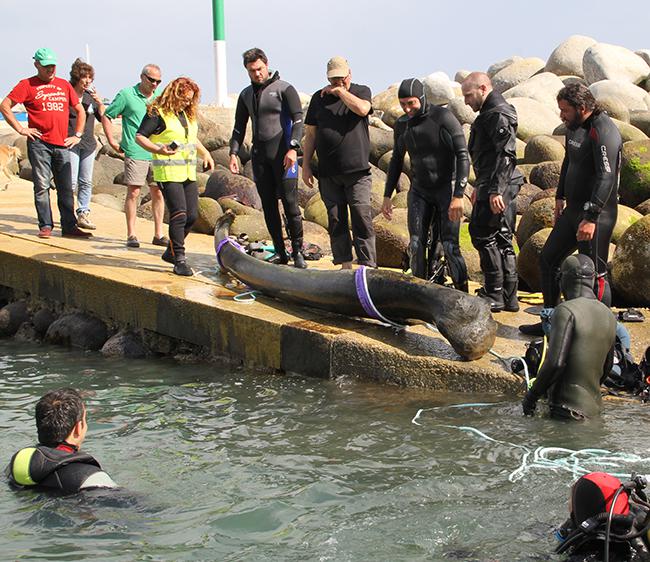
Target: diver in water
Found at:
x=580, y=350
x=608, y=518
x=56, y=462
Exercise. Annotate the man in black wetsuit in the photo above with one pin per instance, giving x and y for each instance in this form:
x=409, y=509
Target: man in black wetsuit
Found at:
x=336, y=126
x=436, y=145
x=274, y=107
x=493, y=151
x=586, y=203
x=580, y=350
x=56, y=463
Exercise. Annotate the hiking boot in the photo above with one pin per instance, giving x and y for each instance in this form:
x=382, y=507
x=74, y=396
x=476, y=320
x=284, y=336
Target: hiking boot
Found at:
x=162, y=241
x=75, y=233
x=83, y=221
x=299, y=260
x=45, y=232
x=496, y=304
x=168, y=256
x=181, y=268
x=132, y=242
x=532, y=329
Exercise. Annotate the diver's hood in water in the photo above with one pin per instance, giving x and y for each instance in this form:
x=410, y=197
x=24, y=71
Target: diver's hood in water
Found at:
x=577, y=277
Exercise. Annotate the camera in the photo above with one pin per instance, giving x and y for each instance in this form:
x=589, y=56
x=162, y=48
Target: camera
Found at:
x=173, y=145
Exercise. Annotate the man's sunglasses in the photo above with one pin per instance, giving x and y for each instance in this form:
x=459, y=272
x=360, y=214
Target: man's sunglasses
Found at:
x=152, y=80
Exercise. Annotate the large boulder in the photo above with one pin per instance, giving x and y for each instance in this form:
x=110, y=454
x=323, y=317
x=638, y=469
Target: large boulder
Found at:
x=630, y=270
x=615, y=108
x=534, y=117
x=78, y=330
x=539, y=215
x=603, y=61
x=641, y=120
x=643, y=208
x=221, y=157
x=388, y=103
x=629, y=132
x=549, y=193
x=115, y=202
x=626, y=217
x=391, y=238
x=42, y=320
x=515, y=73
x=316, y=234
x=470, y=254
x=463, y=112
x=635, y=172
x=12, y=316
x=528, y=259
x=541, y=87
x=215, y=126
x=223, y=183
x=525, y=196
x=381, y=142
x=252, y=225
x=500, y=65
x=439, y=89
x=546, y=174
x=125, y=343
x=633, y=97
x=315, y=211
x=208, y=213
x=644, y=54
x=566, y=58
x=543, y=148
x=106, y=169
x=305, y=193
x=228, y=203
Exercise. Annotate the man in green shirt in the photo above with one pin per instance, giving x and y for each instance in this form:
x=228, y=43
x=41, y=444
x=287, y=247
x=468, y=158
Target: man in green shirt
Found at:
x=131, y=104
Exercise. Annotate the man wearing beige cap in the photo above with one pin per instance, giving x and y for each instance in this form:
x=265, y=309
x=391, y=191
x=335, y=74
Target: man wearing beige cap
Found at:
x=336, y=127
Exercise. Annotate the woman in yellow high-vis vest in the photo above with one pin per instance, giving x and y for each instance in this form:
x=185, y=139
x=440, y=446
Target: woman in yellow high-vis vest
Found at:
x=169, y=131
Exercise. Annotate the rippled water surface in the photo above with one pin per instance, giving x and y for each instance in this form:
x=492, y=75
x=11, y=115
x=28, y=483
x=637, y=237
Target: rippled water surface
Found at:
x=217, y=464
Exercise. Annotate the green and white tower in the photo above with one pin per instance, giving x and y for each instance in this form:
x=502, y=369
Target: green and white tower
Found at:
x=219, y=36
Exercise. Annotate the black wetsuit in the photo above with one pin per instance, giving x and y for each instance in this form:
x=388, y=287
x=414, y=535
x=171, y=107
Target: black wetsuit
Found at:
x=436, y=146
x=590, y=174
x=276, y=113
x=581, y=347
x=492, y=146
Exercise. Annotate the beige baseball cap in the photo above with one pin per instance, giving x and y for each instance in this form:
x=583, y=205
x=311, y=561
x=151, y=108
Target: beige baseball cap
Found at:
x=337, y=67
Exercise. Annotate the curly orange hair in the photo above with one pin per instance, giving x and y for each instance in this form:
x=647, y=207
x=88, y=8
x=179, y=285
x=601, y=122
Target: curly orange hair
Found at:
x=174, y=96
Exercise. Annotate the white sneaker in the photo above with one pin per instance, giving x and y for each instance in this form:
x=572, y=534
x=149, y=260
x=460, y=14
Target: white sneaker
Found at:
x=83, y=221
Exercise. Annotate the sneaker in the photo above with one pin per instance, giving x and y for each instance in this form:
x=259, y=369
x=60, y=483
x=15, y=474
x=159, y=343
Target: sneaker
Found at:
x=162, y=241
x=45, y=232
x=74, y=232
x=83, y=221
x=132, y=242
x=532, y=329
x=168, y=256
x=181, y=268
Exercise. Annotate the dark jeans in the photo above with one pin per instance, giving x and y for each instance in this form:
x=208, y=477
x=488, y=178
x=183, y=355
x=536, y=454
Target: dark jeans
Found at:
x=47, y=161
x=182, y=200
x=353, y=191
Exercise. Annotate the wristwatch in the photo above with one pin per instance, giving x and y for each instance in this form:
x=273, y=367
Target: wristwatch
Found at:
x=78, y=135
x=293, y=143
x=591, y=211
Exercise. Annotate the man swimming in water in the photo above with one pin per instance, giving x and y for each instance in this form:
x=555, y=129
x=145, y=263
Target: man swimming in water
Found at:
x=56, y=462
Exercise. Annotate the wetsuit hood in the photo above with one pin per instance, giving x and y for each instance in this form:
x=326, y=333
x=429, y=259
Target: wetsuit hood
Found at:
x=413, y=88
x=577, y=277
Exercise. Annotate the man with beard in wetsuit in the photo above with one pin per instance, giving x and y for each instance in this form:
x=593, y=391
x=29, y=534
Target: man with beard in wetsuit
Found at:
x=492, y=148
x=587, y=195
x=274, y=107
x=436, y=145
x=581, y=347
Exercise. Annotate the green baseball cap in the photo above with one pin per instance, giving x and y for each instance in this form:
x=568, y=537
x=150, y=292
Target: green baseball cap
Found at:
x=45, y=56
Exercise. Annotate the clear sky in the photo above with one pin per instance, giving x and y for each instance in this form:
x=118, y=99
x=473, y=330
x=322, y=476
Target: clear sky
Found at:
x=384, y=41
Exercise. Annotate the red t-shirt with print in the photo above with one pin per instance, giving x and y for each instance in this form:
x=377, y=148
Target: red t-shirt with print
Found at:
x=48, y=106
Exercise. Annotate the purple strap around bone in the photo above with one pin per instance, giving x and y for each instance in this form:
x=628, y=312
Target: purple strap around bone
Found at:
x=222, y=244
x=365, y=299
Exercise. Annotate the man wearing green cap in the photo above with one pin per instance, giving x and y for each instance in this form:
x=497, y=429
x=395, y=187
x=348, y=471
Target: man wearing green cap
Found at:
x=48, y=100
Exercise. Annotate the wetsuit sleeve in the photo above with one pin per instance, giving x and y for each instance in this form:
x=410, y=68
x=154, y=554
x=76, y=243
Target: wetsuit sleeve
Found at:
x=151, y=125
x=396, y=161
x=294, y=108
x=562, y=326
x=451, y=134
x=606, y=144
x=560, y=186
x=239, y=129
x=503, y=134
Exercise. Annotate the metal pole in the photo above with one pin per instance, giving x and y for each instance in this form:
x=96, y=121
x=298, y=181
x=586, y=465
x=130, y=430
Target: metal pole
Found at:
x=87, y=53
x=219, y=36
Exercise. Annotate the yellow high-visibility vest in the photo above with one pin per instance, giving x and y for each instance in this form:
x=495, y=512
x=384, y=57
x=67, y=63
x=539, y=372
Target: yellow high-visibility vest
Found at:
x=180, y=166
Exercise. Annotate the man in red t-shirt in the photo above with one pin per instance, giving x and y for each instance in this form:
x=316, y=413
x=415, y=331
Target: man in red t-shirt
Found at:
x=48, y=100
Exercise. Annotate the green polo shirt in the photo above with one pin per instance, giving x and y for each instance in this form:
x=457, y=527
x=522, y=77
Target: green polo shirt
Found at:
x=132, y=106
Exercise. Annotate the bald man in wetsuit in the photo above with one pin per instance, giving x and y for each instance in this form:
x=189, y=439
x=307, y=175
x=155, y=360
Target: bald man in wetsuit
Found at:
x=580, y=350
x=435, y=142
x=492, y=146
x=586, y=203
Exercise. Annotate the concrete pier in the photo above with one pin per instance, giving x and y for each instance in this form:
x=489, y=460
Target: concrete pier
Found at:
x=135, y=288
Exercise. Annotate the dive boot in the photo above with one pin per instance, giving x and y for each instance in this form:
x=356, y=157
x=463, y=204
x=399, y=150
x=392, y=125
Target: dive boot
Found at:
x=495, y=299
x=532, y=329
x=299, y=260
